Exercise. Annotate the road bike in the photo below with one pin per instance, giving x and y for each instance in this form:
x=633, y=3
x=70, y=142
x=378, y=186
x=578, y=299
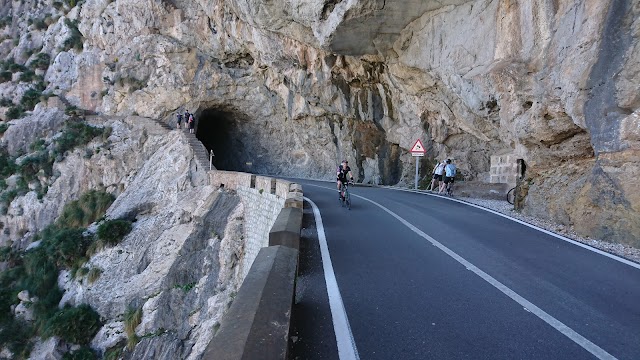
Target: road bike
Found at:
x=449, y=189
x=345, y=197
x=511, y=195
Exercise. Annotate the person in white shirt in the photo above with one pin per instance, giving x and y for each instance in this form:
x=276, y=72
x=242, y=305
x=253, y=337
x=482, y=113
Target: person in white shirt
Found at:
x=437, y=172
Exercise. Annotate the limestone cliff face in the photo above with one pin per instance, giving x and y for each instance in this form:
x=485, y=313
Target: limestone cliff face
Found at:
x=292, y=87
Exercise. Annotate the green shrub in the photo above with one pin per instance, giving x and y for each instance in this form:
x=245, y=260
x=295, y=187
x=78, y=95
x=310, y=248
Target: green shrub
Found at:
x=42, y=191
x=32, y=164
x=40, y=272
x=84, y=353
x=15, y=112
x=3, y=128
x=38, y=145
x=22, y=186
x=16, y=336
x=5, y=21
x=39, y=24
x=75, y=325
x=66, y=247
x=112, y=232
x=40, y=85
x=6, y=102
x=7, y=164
x=73, y=111
x=113, y=353
x=41, y=61
x=58, y=5
x=30, y=99
x=8, y=196
x=74, y=41
x=5, y=76
x=91, y=206
x=76, y=133
x=15, y=67
x=27, y=76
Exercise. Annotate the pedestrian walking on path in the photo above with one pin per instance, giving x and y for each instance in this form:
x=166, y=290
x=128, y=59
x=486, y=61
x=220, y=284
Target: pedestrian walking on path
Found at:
x=179, y=121
x=186, y=119
x=192, y=124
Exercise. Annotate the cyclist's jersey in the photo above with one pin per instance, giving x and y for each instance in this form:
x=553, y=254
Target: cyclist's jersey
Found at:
x=450, y=170
x=342, y=172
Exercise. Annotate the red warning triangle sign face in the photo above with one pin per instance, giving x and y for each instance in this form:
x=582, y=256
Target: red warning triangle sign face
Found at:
x=418, y=147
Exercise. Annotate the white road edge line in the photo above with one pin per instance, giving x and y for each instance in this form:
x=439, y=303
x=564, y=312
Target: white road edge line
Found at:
x=555, y=323
x=574, y=242
x=347, y=349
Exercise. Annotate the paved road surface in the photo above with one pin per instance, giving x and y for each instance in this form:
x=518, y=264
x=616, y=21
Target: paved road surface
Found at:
x=429, y=278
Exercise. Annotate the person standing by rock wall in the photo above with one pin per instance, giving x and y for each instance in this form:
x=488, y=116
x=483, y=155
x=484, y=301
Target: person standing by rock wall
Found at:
x=186, y=119
x=179, y=121
x=437, y=175
x=192, y=124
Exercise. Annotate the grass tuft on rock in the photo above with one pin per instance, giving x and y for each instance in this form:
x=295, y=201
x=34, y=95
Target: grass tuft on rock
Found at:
x=132, y=318
x=94, y=275
x=90, y=207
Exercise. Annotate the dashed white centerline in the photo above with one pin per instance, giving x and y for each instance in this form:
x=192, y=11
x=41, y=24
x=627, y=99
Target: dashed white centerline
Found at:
x=347, y=349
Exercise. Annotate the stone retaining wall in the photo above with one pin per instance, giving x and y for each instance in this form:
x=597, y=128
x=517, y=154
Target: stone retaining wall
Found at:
x=263, y=198
x=504, y=169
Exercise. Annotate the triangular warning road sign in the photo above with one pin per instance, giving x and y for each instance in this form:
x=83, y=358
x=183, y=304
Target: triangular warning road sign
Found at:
x=418, y=147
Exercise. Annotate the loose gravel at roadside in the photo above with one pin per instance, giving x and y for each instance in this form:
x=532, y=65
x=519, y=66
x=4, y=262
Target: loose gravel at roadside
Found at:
x=504, y=207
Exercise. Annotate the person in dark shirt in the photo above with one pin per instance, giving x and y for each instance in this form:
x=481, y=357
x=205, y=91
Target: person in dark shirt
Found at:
x=343, y=171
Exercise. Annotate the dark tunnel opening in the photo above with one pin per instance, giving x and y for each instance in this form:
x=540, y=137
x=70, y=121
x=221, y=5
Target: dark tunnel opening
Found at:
x=222, y=132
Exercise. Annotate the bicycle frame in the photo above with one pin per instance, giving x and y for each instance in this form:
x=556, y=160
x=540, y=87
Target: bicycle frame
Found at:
x=344, y=194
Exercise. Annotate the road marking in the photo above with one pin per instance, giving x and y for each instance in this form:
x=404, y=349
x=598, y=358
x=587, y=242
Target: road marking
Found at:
x=555, y=323
x=574, y=242
x=347, y=349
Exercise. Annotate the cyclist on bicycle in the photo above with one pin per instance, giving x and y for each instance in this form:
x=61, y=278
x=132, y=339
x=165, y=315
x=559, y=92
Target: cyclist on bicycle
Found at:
x=449, y=175
x=343, y=171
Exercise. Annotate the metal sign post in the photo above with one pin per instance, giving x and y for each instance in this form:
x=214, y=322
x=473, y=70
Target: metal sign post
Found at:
x=417, y=175
x=417, y=151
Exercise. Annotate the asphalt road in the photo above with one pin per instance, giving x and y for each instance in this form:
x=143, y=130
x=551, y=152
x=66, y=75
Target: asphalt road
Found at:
x=490, y=288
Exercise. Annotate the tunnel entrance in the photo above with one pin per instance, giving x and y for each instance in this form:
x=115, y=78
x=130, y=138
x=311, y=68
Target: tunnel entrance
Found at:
x=224, y=133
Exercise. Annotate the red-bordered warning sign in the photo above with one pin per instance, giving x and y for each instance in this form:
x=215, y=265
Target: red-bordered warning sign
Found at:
x=418, y=149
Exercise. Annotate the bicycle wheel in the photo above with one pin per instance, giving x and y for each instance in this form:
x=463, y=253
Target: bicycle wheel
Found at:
x=511, y=195
x=347, y=200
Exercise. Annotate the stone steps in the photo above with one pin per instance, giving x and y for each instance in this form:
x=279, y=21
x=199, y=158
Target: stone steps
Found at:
x=199, y=150
x=163, y=124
